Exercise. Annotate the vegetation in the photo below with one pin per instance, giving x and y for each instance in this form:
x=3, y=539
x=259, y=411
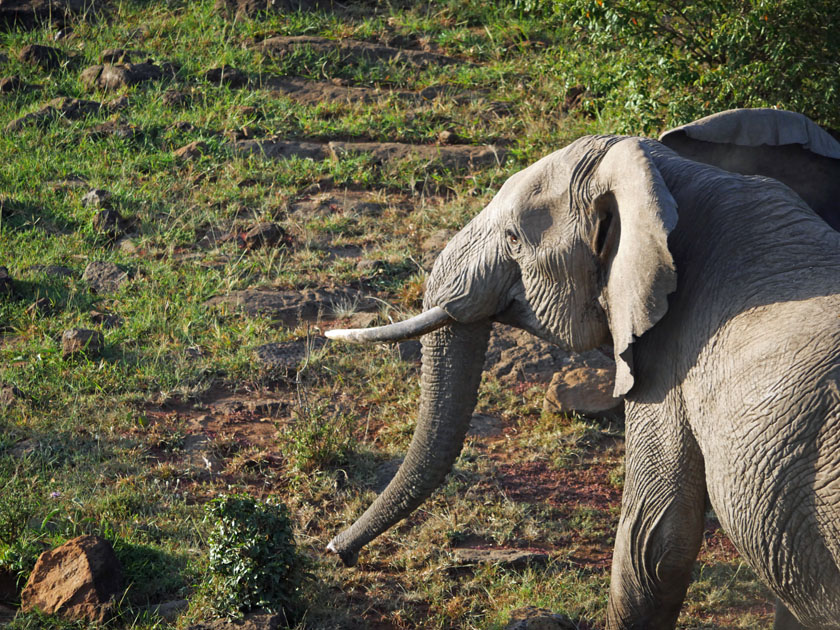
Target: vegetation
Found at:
x=133, y=442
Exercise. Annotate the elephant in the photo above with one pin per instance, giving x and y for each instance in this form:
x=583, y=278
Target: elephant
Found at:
x=720, y=295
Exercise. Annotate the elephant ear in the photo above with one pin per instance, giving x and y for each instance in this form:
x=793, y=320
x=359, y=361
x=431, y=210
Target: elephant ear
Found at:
x=640, y=271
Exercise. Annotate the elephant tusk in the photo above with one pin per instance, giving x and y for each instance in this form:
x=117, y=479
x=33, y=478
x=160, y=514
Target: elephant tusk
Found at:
x=419, y=325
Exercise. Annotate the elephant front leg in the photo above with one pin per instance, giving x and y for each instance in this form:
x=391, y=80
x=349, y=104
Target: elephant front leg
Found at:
x=661, y=526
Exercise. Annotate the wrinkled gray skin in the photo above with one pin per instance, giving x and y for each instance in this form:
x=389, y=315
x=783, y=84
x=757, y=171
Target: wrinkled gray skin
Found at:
x=721, y=295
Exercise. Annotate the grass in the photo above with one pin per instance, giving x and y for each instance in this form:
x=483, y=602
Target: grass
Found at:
x=103, y=445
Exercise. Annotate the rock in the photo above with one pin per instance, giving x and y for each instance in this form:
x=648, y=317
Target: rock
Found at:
x=508, y=558
x=42, y=306
x=515, y=356
x=482, y=425
x=110, y=223
x=45, y=57
x=33, y=13
x=106, y=320
x=409, y=350
x=252, y=621
x=12, y=84
x=265, y=235
x=53, y=271
x=281, y=149
x=531, y=618
x=352, y=51
x=115, y=76
x=286, y=357
x=7, y=287
x=447, y=137
x=104, y=277
x=121, y=55
x=9, y=394
x=169, y=611
x=81, y=341
x=192, y=151
x=456, y=157
x=293, y=307
x=585, y=390
x=78, y=580
x=97, y=198
x=226, y=75
x=67, y=108
x=174, y=98
x=114, y=129
x=433, y=246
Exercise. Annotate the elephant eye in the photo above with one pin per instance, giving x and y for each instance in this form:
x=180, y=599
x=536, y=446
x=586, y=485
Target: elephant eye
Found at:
x=512, y=238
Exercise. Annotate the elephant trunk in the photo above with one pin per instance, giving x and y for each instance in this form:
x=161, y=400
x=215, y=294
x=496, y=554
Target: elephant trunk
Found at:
x=453, y=357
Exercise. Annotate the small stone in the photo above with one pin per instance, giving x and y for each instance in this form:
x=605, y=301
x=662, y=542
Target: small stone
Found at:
x=12, y=84
x=510, y=558
x=106, y=320
x=192, y=151
x=228, y=76
x=41, y=306
x=104, y=277
x=7, y=287
x=78, y=580
x=81, y=341
x=109, y=222
x=447, y=137
x=531, y=618
x=409, y=350
x=264, y=235
x=96, y=198
x=46, y=57
x=584, y=390
x=9, y=394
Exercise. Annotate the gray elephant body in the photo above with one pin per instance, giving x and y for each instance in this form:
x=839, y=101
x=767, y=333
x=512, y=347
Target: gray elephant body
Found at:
x=737, y=393
x=721, y=294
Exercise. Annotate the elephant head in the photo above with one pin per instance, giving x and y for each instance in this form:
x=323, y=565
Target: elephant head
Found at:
x=572, y=249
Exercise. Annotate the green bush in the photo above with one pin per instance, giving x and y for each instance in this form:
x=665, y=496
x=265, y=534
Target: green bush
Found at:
x=666, y=62
x=253, y=559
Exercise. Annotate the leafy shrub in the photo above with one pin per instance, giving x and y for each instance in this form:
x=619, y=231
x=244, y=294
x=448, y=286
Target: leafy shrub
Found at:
x=670, y=61
x=253, y=559
x=319, y=436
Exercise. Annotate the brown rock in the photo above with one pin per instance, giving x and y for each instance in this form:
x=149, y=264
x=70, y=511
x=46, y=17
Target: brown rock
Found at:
x=104, y=277
x=115, y=76
x=510, y=558
x=45, y=57
x=191, y=151
x=585, y=390
x=7, y=287
x=77, y=580
x=531, y=618
x=353, y=51
x=81, y=341
x=228, y=76
x=265, y=235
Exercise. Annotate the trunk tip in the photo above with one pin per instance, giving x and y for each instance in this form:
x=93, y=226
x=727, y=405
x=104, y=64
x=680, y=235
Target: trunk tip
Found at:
x=348, y=557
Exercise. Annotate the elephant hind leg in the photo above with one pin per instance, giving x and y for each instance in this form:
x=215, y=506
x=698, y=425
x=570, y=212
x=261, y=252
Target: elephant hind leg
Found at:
x=785, y=620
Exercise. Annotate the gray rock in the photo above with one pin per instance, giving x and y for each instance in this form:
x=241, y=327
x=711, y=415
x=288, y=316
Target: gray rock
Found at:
x=104, y=277
x=531, y=618
x=7, y=287
x=226, y=75
x=96, y=198
x=293, y=307
x=585, y=390
x=265, y=234
x=115, y=76
x=81, y=341
x=509, y=558
x=45, y=57
x=286, y=356
x=515, y=356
